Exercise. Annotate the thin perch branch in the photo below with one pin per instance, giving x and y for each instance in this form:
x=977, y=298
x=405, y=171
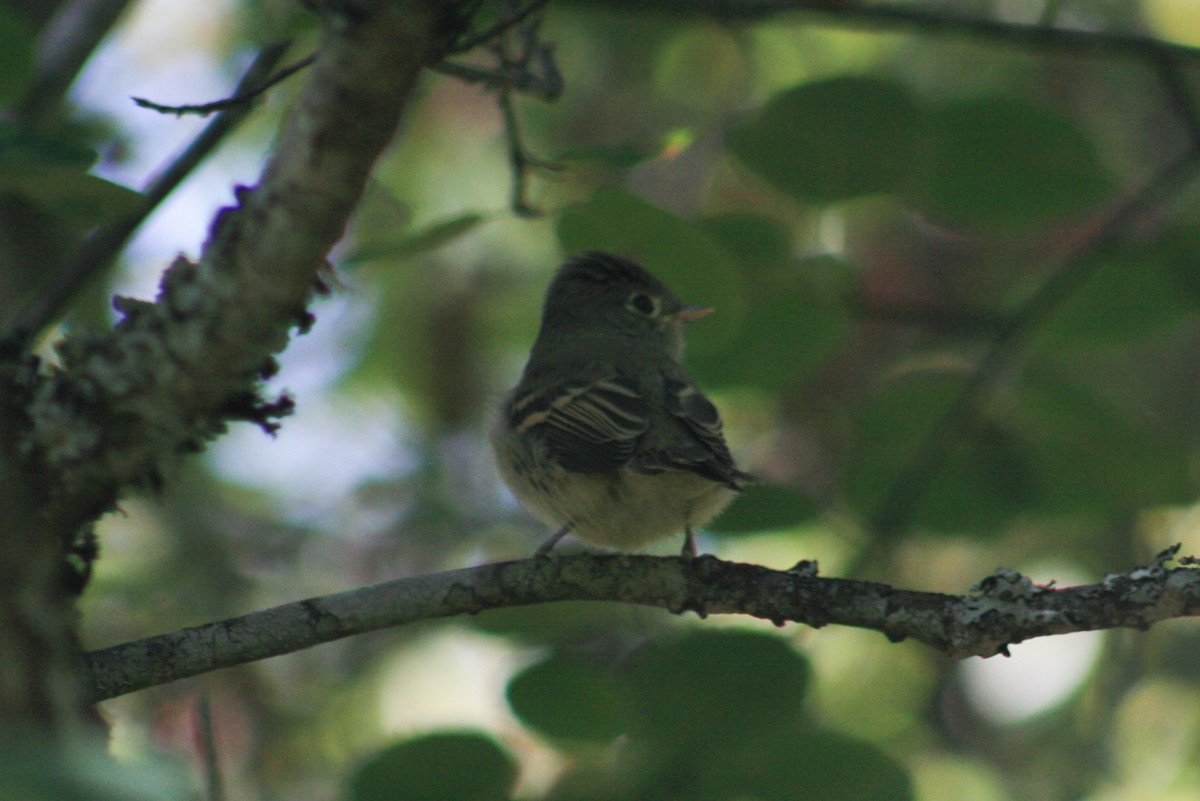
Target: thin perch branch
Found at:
x=1006, y=608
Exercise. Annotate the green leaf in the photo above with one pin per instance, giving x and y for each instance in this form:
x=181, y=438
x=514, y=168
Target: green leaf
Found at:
x=998, y=160
x=792, y=763
x=828, y=766
x=765, y=506
x=24, y=155
x=569, y=698
x=436, y=767
x=758, y=242
x=789, y=331
x=1091, y=456
x=1134, y=294
x=710, y=686
x=984, y=483
x=700, y=66
x=39, y=771
x=890, y=429
x=1178, y=250
x=979, y=484
x=52, y=173
x=567, y=621
x=617, y=156
x=833, y=140
x=412, y=243
x=680, y=253
x=17, y=47
x=83, y=199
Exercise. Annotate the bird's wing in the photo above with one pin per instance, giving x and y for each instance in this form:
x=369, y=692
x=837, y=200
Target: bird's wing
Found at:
x=587, y=426
x=704, y=450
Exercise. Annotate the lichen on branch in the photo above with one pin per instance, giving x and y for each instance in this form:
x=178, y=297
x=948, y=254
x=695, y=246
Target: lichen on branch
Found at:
x=174, y=372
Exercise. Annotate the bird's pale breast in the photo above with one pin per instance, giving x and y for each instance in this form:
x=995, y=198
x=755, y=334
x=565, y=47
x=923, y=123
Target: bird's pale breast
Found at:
x=617, y=509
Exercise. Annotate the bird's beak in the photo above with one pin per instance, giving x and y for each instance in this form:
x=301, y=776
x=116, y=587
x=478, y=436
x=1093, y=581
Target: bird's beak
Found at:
x=690, y=314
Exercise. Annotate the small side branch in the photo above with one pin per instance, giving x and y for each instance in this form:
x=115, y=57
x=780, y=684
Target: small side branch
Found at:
x=239, y=98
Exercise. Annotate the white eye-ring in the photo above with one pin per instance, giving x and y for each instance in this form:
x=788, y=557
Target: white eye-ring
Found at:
x=643, y=304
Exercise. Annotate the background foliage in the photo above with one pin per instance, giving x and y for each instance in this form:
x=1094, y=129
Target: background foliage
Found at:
x=956, y=281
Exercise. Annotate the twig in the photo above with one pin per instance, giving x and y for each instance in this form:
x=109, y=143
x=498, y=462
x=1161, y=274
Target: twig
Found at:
x=498, y=29
x=237, y=99
x=547, y=86
x=519, y=161
x=206, y=741
x=519, y=158
x=104, y=243
x=513, y=74
x=1004, y=608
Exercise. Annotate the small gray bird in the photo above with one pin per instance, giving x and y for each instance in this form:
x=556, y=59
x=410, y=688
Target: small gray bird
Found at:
x=605, y=436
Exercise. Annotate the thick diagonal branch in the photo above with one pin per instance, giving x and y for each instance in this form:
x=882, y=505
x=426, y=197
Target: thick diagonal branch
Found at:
x=175, y=371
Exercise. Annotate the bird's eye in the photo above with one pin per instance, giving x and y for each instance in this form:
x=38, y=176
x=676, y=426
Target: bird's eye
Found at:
x=643, y=304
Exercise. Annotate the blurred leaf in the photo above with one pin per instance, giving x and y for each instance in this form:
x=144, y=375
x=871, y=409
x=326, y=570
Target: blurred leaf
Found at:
x=823, y=765
x=16, y=56
x=755, y=240
x=83, y=199
x=564, y=622
x=569, y=698
x=700, y=66
x=790, y=331
x=776, y=764
x=889, y=429
x=984, y=484
x=42, y=772
x=680, y=253
x=762, y=507
x=833, y=140
x=708, y=686
x=616, y=156
x=437, y=767
x=52, y=173
x=430, y=330
x=270, y=22
x=24, y=155
x=1090, y=456
x=1004, y=160
x=794, y=317
x=677, y=140
x=1133, y=294
x=1177, y=250
x=984, y=481
x=431, y=237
